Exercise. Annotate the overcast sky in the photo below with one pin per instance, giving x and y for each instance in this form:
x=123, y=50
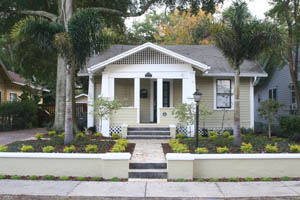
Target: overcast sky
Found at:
x=257, y=8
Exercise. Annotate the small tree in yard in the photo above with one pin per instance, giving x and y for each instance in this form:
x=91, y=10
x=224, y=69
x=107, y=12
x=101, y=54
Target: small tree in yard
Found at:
x=104, y=107
x=268, y=110
x=185, y=114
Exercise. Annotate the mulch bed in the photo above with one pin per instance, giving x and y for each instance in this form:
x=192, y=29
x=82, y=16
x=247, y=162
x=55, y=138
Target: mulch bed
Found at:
x=166, y=148
x=228, y=180
x=130, y=148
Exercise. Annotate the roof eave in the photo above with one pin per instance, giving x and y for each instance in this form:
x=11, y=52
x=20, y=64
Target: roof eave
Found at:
x=241, y=75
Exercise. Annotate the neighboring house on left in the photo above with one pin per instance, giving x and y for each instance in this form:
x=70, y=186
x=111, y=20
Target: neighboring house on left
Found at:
x=11, y=85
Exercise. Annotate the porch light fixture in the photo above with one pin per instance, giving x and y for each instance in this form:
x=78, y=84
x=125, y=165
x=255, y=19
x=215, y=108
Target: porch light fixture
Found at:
x=197, y=97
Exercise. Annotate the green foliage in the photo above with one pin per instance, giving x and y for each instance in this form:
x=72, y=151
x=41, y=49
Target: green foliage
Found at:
x=48, y=149
x=233, y=179
x=177, y=147
x=115, y=136
x=80, y=178
x=271, y=148
x=201, y=150
x=64, y=178
x=200, y=180
x=33, y=177
x=180, y=135
x=266, y=179
x=285, y=178
x=79, y=136
x=18, y=115
x=249, y=179
x=222, y=149
x=122, y=142
x=70, y=149
x=115, y=179
x=246, y=148
x=96, y=179
x=51, y=133
x=103, y=107
x=3, y=148
x=289, y=125
x=2, y=176
x=184, y=113
x=213, y=180
x=91, y=148
x=48, y=177
x=26, y=148
x=180, y=180
x=98, y=134
x=15, y=177
x=212, y=134
x=226, y=134
x=39, y=136
x=120, y=145
x=295, y=148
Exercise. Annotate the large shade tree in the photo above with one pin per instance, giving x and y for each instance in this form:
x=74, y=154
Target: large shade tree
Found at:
x=240, y=36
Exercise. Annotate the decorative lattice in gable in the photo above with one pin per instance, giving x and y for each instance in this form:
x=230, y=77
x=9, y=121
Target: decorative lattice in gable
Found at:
x=149, y=56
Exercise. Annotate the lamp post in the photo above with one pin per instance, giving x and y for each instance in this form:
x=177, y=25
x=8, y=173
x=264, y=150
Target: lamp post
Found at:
x=197, y=97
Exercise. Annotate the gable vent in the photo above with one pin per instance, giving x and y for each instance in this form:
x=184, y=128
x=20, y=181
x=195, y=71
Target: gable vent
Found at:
x=149, y=56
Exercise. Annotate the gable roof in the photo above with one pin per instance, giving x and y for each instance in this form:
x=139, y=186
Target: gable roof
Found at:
x=208, y=56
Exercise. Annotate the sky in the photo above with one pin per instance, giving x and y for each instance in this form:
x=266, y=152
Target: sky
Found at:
x=256, y=7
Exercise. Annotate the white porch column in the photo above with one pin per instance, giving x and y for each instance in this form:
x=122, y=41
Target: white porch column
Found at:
x=137, y=98
x=91, y=98
x=159, y=97
x=105, y=94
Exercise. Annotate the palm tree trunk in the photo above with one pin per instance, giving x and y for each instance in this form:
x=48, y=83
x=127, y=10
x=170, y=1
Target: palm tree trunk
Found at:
x=69, y=110
x=60, y=103
x=237, y=120
x=269, y=128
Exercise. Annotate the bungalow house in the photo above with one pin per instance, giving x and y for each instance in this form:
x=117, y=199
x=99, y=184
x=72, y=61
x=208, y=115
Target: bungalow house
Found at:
x=11, y=85
x=150, y=80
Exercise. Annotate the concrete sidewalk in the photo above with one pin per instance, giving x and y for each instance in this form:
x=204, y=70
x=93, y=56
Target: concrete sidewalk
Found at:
x=20, y=189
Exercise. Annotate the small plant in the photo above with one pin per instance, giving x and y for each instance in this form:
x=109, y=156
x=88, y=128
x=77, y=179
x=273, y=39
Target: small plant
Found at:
x=201, y=150
x=79, y=135
x=233, y=179
x=98, y=134
x=222, y=150
x=226, y=134
x=177, y=147
x=180, y=180
x=212, y=134
x=122, y=142
x=118, y=148
x=52, y=133
x=70, y=149
x=33, y=177
x=249, y=179
x=48, y=177
x=293, y=148
x=96, y=179
x=39, y=136
x=115, y=179
x=27, y=148
x=231, y=137
x=48, y=149
x=115, y=136
x=271, y=148
x=213, y=180
x=64, y=178
x=90, y=148
x=246, y=148
x=62, y=135
x=266, y=179
x=180, y=136
x=15, y=177
x=200, y=180
x=80, y=178
x=2, y=176
x=3, y=148
x=285, y=178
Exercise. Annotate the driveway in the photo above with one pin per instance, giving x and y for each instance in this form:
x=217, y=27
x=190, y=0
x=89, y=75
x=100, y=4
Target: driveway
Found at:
x=12, y=136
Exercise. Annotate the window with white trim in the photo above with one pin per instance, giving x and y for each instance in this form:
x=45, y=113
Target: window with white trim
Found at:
x=223, y=94
x=13, y=97
x=273, y=93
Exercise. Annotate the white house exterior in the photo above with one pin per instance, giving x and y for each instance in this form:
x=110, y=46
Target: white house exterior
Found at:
x=150, y=80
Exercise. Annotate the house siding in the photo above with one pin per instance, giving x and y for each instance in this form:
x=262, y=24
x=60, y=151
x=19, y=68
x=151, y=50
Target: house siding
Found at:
x=124, y=116
x=177, y=92
x=145, y=102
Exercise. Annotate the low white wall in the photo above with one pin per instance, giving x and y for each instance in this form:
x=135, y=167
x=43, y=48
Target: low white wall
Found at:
x=232, y=165
x=107, y=165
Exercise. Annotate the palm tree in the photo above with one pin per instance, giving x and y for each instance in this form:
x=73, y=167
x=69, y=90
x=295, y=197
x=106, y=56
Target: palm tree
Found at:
x=239, y=36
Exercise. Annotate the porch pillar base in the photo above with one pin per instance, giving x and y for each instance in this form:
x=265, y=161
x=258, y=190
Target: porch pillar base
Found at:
x=105, y=128
x=124, y=130
x=172, y=131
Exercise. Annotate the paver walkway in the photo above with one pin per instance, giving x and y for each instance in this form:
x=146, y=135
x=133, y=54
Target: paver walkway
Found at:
x=12, y=136
x=148, y=150
x=150, y=190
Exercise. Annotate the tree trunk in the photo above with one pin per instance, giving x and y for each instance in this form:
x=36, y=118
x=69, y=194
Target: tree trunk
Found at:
x=237, y=120
x=269, y=128
x=60, y=101
x=69, y=110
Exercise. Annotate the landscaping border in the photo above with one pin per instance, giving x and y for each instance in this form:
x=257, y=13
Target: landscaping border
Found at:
x=106, y=165
x=191, y=166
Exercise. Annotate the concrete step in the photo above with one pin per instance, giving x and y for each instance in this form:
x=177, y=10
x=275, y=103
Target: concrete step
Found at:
x=147, y=137
x=148, y=129
x=149, y=165
x=148, y=173
x=148, y=133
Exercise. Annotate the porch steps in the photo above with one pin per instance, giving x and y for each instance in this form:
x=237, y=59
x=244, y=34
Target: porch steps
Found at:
x=148, y=133
x=148, y=171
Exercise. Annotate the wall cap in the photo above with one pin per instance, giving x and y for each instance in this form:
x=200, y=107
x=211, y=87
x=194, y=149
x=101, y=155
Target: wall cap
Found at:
x=116, y=156
x=247, y=156
x=180, y=156
x=172, y=126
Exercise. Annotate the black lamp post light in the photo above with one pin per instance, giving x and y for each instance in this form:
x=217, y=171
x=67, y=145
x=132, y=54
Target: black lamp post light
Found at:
x=197, y=97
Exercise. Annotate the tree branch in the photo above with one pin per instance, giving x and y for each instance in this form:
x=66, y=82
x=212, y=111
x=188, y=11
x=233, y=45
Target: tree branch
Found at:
x=40, y=13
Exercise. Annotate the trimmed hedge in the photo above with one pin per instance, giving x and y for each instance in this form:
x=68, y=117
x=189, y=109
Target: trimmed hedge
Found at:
x=18, y=115
x=289, y=125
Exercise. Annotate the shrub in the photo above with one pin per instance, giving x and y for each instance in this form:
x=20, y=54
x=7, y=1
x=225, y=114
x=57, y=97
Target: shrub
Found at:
x=64, y=178
x=213, y=180
x=180, y=180
x=27, y=148
x=177, y=147
x=180, y=136
x=98, y=134
x=248, y=179
x=115, y=136
x=48, y=177
x=80, y=135
x=246, y=148
x=51, y=133
x=115, y=179
x=201, y=150
x=80, y=178
x=296, y=137
x=212, y=133
x=226, y=134
x=213, y=137
x=2, y=176
x=15, y=177
x=222, y=150
x=285, y=178
x=231, y=137
x=233, y=179
x=90, y=148
x=118, y=148
x=295, y=148
x=33, y=177
x=271, y=148
x=70, y=149
x=266, y=179
x=122, y=142
x=62, y=135
x=48, y=149
x=3, y=148
x=38, y=136
x=289, y=125
x=96, y=179
x=200, y=180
